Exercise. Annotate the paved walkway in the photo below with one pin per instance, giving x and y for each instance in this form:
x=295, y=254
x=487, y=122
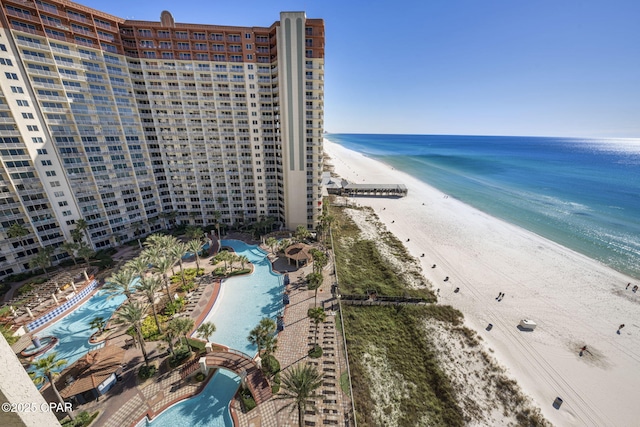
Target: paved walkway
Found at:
x=293, y=345
x=129, y=401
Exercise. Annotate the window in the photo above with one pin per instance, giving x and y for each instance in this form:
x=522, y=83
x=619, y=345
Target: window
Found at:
x=42, y=151
x=55, y=184
x=63, y=203
x=27, y=115
x=32, y=128
x=46, y=162
x=4, y=61
x=59, y=194
x=247, y=36
x=22, y=103
x=37, y=140
x=51, y=173
x=17, y=89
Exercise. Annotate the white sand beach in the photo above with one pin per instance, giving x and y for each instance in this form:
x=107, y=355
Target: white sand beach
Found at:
x=574, y=300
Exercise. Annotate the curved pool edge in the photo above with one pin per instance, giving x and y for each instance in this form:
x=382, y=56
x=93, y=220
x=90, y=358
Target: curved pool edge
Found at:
x=150, y=416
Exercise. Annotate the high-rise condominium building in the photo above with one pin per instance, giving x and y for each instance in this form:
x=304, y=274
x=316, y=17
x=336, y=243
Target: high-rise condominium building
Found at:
x=131, y=125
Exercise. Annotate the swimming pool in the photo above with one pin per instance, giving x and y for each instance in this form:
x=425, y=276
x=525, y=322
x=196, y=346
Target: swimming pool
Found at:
x=210, y=408
x=73, y=330
x=245, y=300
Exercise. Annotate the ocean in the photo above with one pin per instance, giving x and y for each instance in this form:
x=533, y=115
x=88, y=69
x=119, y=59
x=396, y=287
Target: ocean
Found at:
x=581, y=193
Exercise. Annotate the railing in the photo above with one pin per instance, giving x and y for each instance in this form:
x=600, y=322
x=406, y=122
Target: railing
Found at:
x=344, y=338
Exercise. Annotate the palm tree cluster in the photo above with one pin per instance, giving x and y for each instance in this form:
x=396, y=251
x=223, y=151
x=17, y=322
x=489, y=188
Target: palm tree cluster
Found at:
x=229, y=258
x=145, y=276
x=264, y=336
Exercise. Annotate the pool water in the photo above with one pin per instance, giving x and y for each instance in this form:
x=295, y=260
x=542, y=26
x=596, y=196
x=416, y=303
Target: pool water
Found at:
x=242, y=303
x=73, y=330
x=245, y=300
x=210, y=408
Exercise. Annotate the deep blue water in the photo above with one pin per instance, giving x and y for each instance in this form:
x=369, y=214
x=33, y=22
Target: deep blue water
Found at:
x=581, y=193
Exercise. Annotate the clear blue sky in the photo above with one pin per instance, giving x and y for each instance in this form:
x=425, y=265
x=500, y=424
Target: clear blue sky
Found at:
x=491, y=67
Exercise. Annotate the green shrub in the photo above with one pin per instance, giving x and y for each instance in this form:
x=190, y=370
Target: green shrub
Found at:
x=247, y=400
x=146, y=371
x=174, y=306
x=270, y=365
x=24, y=289
x=181, y=353
x=83, y=419
x=200, y=376
x=275, y=383
x=196, y=345
x=315, y=352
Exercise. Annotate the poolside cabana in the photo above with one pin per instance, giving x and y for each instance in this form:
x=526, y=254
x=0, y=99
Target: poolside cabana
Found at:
x=298, y=252
x=93, y=375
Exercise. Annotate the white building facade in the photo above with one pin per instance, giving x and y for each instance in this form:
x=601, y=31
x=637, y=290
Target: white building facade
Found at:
x=131, y=125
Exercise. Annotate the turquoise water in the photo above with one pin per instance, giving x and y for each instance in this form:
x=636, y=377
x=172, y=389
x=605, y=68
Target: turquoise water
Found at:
x=73, y=330
x=242, y=303
x=581, y=193
x=210, y=408
x=245, y=300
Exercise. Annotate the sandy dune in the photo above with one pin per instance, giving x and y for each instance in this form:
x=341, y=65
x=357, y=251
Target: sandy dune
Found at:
x=574, y=300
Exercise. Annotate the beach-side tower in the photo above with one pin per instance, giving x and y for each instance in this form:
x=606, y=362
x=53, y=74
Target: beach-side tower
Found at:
x=135, y=125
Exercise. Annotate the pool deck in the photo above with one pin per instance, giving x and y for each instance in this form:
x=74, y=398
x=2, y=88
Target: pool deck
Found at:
x=128, y=402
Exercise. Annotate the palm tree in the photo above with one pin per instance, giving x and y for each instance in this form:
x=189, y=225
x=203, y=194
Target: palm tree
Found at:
x=17, y=230
x=271, y=243
x=177, y=251
x=193, y=232
x=314, y=281
x=300, y=384
x=317, y=316
x=138, y=265
x=169, y=336
x=81, y=226
x=98, y=323
x=149, y=287
x=70, y=248
x=223, y=256
x=162, y=265
x=205, y=330
x=242, y=260
x=85, y=252
x=301, y=233
x=260, y=334
x=195, y=246
x=131, y=314
x=216, y=219
x=319, y=260
x=326, y=220
x=120, y=283
x=182, y=326
x=42, y=259
x=47, y=368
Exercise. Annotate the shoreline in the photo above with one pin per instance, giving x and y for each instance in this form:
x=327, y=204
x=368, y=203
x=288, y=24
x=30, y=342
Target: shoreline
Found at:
x=575, y=300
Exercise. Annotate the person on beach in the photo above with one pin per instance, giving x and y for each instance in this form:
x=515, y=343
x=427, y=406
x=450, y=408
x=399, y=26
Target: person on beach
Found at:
x=408, y=240
x=627, y=286
x=620, y=327
x=583, y=350
x=635, y=288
